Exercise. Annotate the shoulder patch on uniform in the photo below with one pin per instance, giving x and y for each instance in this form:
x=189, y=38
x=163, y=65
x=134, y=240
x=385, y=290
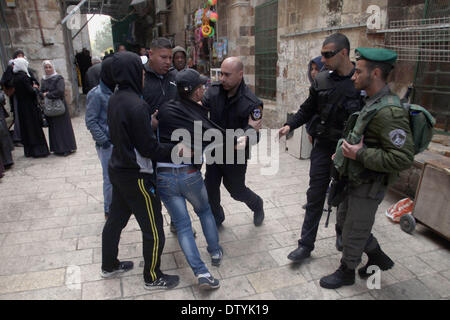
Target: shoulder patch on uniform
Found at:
x=398, y=137
x=257, y=113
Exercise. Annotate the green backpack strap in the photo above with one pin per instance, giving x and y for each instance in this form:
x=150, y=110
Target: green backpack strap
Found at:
x=370, y=112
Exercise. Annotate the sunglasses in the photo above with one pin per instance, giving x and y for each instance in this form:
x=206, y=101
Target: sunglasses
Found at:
x=329, y=54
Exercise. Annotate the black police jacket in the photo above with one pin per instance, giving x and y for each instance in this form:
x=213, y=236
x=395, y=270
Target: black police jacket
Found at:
x=159, y=89
x=232, y=113
x=332, y=99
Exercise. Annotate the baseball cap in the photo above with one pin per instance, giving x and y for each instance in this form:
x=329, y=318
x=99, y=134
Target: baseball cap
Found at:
x=189, y=79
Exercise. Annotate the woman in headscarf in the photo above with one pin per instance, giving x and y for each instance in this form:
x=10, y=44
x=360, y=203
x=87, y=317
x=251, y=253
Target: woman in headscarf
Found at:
x=60, y=131
x=33, y=138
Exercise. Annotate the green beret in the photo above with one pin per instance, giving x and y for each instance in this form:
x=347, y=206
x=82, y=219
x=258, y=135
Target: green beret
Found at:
x=376, y=54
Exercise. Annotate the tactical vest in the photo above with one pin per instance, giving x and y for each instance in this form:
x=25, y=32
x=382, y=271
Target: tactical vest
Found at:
x=355, y=129
x=336, y=101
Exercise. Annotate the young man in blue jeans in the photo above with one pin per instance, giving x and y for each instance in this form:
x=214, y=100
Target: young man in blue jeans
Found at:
x=180, y=182
x=96, y=122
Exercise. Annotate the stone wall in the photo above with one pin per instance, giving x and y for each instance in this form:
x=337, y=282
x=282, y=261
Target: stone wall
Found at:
x=239, y=17
x=25, y=34
x=300, y=40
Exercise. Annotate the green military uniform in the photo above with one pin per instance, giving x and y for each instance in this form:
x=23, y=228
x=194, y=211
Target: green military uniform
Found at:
x=388, y=149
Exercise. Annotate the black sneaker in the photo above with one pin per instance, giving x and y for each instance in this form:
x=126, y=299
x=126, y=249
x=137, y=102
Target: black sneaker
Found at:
x=124, y=266
x=216, y=259
x=164, y=282
x=207, y=282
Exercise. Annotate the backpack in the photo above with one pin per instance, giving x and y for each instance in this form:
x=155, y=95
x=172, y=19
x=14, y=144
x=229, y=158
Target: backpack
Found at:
x=421, y=123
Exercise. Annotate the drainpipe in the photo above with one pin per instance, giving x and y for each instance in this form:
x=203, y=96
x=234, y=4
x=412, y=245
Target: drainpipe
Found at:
x=44, y=43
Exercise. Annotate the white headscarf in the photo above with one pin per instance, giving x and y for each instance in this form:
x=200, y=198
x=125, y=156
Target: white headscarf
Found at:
x=54, y=71
x=21, y=64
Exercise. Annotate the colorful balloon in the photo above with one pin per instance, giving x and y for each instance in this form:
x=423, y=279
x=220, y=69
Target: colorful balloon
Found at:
x=212, y=2
x=213, y=16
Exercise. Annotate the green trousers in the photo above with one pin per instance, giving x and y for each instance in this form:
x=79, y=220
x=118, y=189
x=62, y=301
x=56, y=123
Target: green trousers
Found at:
x=355, y=217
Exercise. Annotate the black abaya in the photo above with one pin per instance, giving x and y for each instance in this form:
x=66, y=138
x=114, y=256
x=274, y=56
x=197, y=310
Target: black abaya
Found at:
x=60, y=130
x=33, y=138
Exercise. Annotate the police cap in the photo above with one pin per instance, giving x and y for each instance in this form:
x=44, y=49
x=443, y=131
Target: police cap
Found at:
x=376, y=54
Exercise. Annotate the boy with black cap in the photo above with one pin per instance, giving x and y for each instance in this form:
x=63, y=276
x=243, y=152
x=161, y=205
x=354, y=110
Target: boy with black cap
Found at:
x=369, y=158
x=131, y=174
x=180, y=182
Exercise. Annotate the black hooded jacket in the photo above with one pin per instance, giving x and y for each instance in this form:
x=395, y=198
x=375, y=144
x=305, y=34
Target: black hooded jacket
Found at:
x=129, y=118
x=106, y=73
x=181, y=114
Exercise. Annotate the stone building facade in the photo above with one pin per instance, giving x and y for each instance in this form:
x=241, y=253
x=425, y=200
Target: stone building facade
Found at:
x=301, y=28
x=39, y=33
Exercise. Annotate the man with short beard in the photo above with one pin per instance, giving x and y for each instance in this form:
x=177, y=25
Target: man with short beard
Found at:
x=377, y=145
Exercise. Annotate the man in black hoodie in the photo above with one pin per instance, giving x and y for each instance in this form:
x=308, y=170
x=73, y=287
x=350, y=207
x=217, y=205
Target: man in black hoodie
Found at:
x=131, y=174
x=160, y=85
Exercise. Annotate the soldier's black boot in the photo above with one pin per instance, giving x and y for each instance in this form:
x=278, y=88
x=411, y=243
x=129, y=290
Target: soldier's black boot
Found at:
x=376, y=258
x=342, y=277
x=339, y=246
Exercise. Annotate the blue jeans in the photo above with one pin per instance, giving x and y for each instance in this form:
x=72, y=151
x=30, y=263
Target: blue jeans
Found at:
x=104, y=155
x=175, y=188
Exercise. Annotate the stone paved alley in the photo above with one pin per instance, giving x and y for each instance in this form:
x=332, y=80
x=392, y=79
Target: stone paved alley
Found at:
x=51, y=219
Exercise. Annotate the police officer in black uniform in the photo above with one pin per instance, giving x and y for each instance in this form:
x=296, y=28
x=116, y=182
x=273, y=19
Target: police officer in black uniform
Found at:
x=233, y=106
x=332, y=99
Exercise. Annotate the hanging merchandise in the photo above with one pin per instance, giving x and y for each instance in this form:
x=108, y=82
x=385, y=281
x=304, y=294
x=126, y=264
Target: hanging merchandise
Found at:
x=209, y=15
x=220, y=48
x=198, y=17
x=213, y=17
x=225, y=46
